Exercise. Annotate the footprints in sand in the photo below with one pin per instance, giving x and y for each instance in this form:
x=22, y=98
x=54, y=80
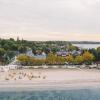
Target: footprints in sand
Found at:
x=24, y=76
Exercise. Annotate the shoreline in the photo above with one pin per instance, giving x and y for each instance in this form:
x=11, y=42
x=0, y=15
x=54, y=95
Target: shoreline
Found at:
x=49, y=87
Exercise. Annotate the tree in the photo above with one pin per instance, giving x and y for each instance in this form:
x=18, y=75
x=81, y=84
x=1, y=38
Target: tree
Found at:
x=2, y=52
x=54, y=49
x=70, y=59
x=98, y=54
x=60, y=60
x=23, y=59
x=6, y=46
x=51, y=59
x=98, y=49
x=71, y=47
x=11, y=39
x=14, y=47
x=34, y=50
x=22, y=49
x=78, y=59
x=38, y=62
x=88, y=57
x=46, y=50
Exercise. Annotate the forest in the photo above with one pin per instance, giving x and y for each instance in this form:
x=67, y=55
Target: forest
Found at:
x=9, y=48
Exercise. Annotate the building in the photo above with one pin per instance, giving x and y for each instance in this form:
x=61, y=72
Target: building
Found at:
x=76, y=53
x=37, y=56
x=62, y=53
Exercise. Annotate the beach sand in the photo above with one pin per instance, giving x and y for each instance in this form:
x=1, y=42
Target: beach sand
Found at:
x=39, y=79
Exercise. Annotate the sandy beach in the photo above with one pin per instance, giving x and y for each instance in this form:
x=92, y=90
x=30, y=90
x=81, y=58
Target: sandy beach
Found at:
x=37, y=79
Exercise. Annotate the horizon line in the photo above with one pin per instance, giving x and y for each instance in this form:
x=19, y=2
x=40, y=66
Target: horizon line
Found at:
x=50, y=40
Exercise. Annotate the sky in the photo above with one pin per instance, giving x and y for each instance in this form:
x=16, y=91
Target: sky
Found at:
x=68, y=20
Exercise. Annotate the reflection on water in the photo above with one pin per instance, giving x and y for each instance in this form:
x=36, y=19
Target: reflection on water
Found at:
x=83, y=94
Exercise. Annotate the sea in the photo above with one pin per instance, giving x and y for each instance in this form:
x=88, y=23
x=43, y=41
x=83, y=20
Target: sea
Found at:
x=81, y=94
x=87, y=46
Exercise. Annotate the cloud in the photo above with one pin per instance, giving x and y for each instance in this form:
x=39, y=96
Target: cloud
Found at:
x=47, y=18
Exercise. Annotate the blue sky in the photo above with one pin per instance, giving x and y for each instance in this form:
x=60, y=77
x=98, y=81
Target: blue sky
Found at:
x=50, y=19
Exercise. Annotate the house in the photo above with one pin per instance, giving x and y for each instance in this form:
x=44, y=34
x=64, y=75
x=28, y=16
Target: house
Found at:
x=40, y=56
x=37, y=56
x=66, y=53
x=29, y=53
x=14, y=64
x=76, y=53
x=62, y=53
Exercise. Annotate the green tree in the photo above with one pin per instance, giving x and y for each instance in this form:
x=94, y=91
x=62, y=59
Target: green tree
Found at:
x=98, y=54
x=71, y=47
x=6, y=46
x=98, y=49
x=2, y=52
x=22, y=49
x=46, y=50
x=14, y=47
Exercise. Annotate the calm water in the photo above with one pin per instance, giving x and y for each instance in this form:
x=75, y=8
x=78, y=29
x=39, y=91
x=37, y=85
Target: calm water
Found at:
x=87, y=46
x=83, y=94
